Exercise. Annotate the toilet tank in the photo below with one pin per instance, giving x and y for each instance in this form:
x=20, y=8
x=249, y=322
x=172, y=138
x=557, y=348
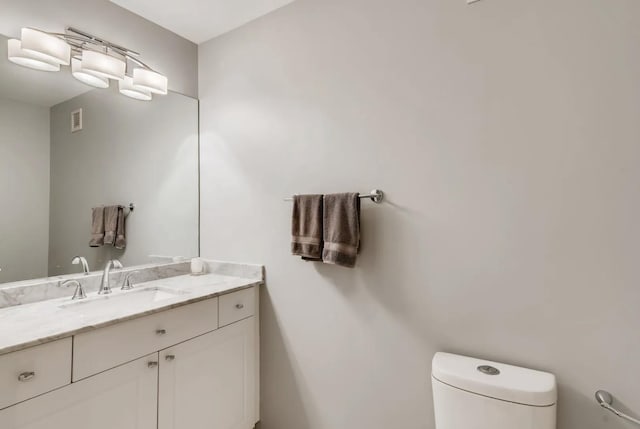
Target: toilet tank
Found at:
x=470, y=393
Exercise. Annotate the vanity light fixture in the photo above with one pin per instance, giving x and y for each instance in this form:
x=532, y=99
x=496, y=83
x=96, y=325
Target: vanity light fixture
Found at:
x=126, y=87
x=87, y=77
x=149, y=80
x=47, y=46
x=19, y=56
x=93, y=61
x=104, y=64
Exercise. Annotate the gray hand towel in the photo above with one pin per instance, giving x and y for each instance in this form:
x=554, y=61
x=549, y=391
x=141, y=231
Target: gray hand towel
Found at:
x=110, y=224
x=97, y=227
x=121, y=239
x=341, y=229
x=306, y=227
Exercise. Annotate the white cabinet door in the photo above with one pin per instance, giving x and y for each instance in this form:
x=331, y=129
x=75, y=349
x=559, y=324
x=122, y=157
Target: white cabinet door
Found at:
x=209, y=382
x=122, y=398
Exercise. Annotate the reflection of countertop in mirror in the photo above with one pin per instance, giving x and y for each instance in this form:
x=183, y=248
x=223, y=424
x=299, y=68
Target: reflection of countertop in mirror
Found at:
x=54, y=172
x=36, y=323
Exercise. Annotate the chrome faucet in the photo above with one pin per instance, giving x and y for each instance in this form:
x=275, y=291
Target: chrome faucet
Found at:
x=105, y=288
x=81, y=260
x=127, y=284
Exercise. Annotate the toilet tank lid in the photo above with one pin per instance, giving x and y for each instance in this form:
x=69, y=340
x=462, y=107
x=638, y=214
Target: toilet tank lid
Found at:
x=513, y=383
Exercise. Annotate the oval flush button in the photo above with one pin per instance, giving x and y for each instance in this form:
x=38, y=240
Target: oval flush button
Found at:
x=489, y=370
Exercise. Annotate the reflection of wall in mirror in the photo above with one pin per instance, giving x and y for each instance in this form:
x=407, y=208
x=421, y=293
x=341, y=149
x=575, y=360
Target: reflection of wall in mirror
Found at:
x=128, y=151
x=24, y=190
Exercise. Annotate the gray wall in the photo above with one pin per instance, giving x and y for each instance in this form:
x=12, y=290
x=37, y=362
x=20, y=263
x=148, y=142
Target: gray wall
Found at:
x=161, y=49
x=506, y=137
x=128, y=151
x=24, y=190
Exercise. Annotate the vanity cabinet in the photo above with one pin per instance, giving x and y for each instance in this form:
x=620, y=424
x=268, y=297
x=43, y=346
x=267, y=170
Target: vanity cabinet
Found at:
x=34, y=371
x=210, y=382
x=101, y=349
x=123, y=397
x=174, y=369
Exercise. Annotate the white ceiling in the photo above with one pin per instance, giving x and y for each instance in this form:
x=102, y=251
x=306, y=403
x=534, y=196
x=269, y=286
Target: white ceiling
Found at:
x=201, y=20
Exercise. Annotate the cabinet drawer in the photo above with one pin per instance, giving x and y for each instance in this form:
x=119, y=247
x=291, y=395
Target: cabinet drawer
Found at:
x=34, y=371
x=237, y=306
x=111, y=346
x=122, y=398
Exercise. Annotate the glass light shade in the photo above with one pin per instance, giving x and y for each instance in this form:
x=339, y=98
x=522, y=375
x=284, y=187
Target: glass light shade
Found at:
x=105, y=65
x=150, y=81
x=19, y=56
x=127, y=88
x=87, y=77
x=48, y=47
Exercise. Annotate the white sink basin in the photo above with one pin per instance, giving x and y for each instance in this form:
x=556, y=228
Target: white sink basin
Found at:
x=112, y=302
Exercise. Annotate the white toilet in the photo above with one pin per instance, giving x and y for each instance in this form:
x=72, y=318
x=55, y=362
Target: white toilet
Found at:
x=471, y=393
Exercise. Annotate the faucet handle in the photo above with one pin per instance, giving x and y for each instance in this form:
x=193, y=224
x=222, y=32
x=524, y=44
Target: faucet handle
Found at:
x=116, y=263
x=127, y=284
x=79, y=292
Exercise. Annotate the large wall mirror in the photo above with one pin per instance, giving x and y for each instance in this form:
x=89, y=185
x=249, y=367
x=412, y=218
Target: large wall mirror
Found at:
x=126, y=151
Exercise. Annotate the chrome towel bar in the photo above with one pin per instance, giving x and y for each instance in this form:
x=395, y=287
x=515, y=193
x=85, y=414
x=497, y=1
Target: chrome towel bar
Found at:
x=605, y=399
x=129, y=209
x=377, y=196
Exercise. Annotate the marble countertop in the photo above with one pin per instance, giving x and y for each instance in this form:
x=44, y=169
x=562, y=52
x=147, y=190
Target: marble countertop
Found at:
x=36, y=323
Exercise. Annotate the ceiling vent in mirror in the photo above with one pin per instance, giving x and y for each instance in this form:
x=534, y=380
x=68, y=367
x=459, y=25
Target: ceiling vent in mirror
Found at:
x=76, y=120
x=93, y=60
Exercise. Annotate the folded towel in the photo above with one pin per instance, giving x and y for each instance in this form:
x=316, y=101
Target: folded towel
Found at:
x=341, y=229
x=306, y=227
x=97, y=227
x=110, y=224
x=121, y=239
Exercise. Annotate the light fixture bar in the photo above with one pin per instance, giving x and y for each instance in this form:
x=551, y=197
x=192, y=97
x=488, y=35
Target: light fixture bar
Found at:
x=99, y=41
x=84, y=37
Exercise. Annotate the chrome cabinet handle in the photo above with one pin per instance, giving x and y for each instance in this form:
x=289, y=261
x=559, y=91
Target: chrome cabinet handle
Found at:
x=161, y=331
x=26, y=376
x=169, y=358
x=239, y=306
x=152, y=364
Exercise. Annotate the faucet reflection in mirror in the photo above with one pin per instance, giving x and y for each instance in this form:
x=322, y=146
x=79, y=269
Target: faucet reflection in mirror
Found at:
x=94, y=61
x=81, y=260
